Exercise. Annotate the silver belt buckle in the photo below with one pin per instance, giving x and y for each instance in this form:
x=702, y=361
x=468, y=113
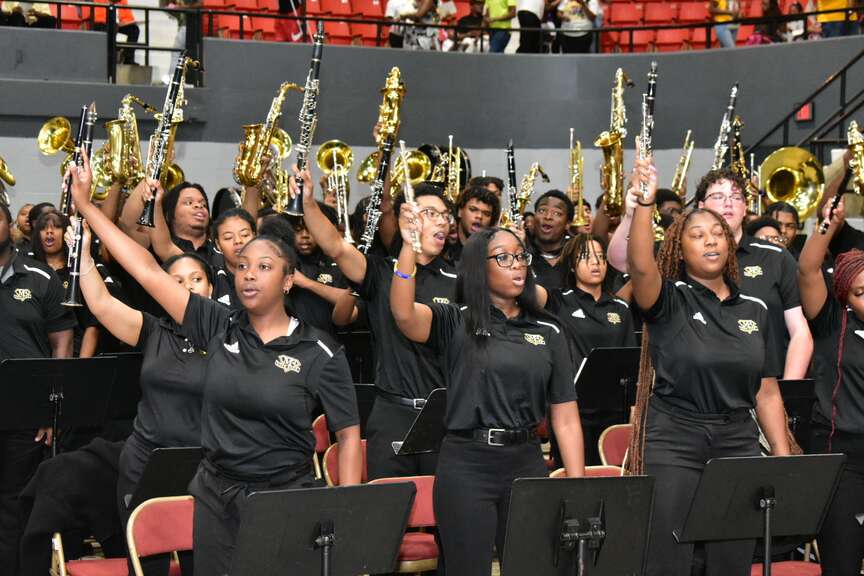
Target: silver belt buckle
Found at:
x=489, y=436
x=419, y=403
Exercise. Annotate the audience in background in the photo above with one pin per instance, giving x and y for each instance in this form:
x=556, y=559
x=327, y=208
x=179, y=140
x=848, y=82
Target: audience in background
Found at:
x=725, y=11
x=499, y=13
x=530, y=14
x=577, y=22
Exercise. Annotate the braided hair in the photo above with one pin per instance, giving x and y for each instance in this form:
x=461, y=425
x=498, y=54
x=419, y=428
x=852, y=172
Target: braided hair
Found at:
x=670, y=261
x=847, y=267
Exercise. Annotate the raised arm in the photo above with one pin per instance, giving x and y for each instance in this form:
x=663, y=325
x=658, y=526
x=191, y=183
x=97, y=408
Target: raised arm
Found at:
x=160, y=236
x=349, y=259
x=128, y=221
x=131, y=255
x=345, y=309
x=112, y=201
x=118, y=318
x=644, y=274
x=811, y=283
x=616, y=253
x=414, y=319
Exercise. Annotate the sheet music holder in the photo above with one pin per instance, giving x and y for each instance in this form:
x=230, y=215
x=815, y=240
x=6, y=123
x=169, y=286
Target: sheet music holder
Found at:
x=167, y=473
x=126, y=392
x=761, y=496
x=342, y=531
x=428, y=430
x=606, y=381
x=798, y=398
x=365, y=400
x=584, y=526
x=57, y=392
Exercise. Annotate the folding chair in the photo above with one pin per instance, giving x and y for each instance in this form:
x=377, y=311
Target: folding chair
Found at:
x=419, y=552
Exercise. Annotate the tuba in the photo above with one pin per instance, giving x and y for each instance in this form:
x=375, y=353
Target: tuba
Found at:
x=679, y=181
x=576, y=190
x=7, y=177
x=795, y=176
x=611, y=142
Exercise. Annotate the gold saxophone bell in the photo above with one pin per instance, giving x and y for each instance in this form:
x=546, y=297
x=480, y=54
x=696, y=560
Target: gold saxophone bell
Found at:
x=282, y=142
x=54, y=136
x=324, y=158
x=368, y=168
x=793, y=175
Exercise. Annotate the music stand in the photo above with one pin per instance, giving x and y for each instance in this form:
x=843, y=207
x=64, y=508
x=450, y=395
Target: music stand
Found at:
x=126, y=392
x=606, y=381
x=343, y=531
x=761, y=496
x=585, y=526
x=167, y=473
x=62, y=392
x=428, y=429
x=365, y=400
x=798, y=398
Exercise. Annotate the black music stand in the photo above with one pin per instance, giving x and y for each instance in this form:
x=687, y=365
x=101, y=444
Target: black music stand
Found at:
x=606, y=381
x=585, y=526
x=366, y=395
x=342, y=531
x=798, y=398
x=167, y=473
x=126, y=392
x=761, y=496
x=428, y=430
x=62, y=392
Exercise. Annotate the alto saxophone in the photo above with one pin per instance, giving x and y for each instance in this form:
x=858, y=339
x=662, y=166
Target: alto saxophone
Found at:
x=738, y=164
x=526, y=188
x=679, y=181
x=611, y=142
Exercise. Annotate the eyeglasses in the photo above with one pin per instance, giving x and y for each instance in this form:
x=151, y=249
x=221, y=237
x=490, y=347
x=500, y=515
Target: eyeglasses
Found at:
x=506, y=260
x=719, y=197
x=433, y=214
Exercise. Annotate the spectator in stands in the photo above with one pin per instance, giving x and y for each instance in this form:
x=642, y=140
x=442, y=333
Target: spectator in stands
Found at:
x=421, y=37
x=577, y=21
x=127, y=27
x=499, y=13
x=769, y=32
x=34, y=15
x=837, y=23
x=795, y=28
x=725, y=11
x=394, y=11
x=467, y=36
x=530, y=15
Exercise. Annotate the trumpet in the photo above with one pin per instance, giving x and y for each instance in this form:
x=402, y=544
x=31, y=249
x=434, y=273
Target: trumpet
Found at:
x=7, y=177
x=611, y=142
x=454, y=185
x=855, y=140
x=335, y=158
x=576, y=189
x=408, y=191
x=679, y=181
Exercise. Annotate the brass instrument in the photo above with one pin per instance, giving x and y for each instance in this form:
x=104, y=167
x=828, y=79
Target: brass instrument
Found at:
x=334, y=158
x=419, y=168
x=526, y=188
x=454, y=183
x=55, y=135
x=679, y=181
x=738, y=164
x=7, y=177
x=611, y=142
x=408, y=192
x=721, y=146
x=388, y=127
x=793, y=175
x=855, y=140
x=576, y=190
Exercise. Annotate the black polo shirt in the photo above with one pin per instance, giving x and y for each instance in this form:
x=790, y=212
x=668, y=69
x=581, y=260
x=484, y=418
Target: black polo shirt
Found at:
x=30, y=308
x=709, y=356
x=589, y=324
x=259, y=398
x=849, y=402
x=770, y=273
x=846, y=239
x=550, y=277
x=223, y=289
x=207, y=250
x=172, y=385
x=453, y=252
x=405, y=368
x=308, y=306
x=508, y=379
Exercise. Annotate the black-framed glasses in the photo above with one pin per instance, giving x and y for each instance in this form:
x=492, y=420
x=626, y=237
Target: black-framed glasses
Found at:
x=506, y=259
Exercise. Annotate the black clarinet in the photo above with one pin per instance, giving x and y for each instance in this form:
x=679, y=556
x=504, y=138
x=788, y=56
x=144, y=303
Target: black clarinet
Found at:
x=159, y=142
x=308, y=120
x=373, y=209
x=512, y=191
x=66, y=189
x=72, y=297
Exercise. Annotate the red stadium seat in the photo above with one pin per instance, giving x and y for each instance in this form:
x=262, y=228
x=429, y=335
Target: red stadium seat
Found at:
x=369, y=8
x=265, y=29
x=753, y=9
x=672, y=39
x=661, y=13
x=613, y=444
x=369, y=34
x=625, y=14
x=331, y=464
x=322, y=442
x=70, y=17
x=697, y=38
x=245, y=5
x=229, y=26
x=160, y=526
x=268, y=5
x=744, y=33
x=790, y=568
x=338, y=7
x=340, y=33
x=314, y=7
x=693, y=12
x=643, y=40
x=419, y=552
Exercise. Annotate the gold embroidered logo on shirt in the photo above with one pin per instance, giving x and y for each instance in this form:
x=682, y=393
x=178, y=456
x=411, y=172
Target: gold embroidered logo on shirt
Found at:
x=288, y=364
x=748, y=326
x=325, y=278
x=22, y=294
x=613, y=318
x=535, y=339
x=65, y=284
x=752, y=271
x=440, y=300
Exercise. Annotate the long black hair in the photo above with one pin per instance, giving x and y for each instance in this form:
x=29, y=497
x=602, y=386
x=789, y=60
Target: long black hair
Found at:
x=472, y=286
x=169, y=202
x=59, y=220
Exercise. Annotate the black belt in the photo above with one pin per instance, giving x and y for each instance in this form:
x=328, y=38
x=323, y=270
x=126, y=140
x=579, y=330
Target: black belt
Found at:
x=415, y=403
x=497, y=436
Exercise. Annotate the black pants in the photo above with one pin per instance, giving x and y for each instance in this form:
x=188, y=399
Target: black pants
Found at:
x=677, y=447
x=219, y=506
x=132, y=32
x=841, y=542
x=388, y=423
x=575, y=44
x=472, y=498
x=19, y=458
x=530, y=42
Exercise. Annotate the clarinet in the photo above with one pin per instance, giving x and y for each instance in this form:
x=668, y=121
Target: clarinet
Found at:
x=308, y=120
x=721, y=146
x=73, y=259
x=66, y=189
x=159, y=142
x=513, y=215
x=373, y=210
x=647, y=134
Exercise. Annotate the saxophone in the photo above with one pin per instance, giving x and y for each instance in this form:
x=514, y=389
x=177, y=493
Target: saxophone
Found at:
x=680, y=179
x=721, y=146
x=738, y=164
x=855, y=140
x=611, y=142
x=388, y=127
x=119, y=160
x=576, y=190
x=526, y=188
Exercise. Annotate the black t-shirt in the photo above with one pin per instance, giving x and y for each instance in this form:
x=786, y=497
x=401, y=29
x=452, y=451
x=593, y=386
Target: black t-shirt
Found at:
x=709, y=356
x=172, y=385
x=259, y=398
x=849, y=402
x=522, y=367
x=770, y=273
x=846, y=239
x=405, y=368
x=30, y=308
x=308, y=306
x=606, y=323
